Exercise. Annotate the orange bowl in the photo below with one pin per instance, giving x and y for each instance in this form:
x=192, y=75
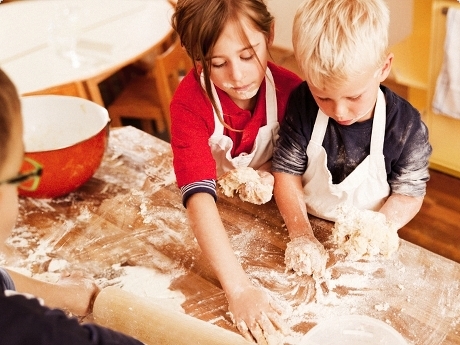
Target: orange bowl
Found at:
x=67, y=136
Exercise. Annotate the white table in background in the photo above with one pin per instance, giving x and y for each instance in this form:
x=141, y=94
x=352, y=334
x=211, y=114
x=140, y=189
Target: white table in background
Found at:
x=111, y=35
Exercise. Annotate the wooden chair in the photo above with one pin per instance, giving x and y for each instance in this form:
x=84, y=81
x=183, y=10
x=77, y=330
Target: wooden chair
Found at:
x=147, y=97
x=71, y=89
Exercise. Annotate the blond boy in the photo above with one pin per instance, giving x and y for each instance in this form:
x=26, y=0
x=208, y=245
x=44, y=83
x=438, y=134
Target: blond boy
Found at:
x=346, y=139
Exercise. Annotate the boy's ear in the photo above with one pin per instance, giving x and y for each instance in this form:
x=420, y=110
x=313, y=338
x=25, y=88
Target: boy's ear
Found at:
x=386, y=68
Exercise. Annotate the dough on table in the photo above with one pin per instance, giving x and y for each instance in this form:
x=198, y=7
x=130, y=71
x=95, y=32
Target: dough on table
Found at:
x=247, y=183
x=364, y=233
x=305, y=257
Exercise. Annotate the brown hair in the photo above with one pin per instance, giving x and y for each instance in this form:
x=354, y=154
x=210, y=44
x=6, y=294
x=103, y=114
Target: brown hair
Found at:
x=10, y=107
x=199, y=23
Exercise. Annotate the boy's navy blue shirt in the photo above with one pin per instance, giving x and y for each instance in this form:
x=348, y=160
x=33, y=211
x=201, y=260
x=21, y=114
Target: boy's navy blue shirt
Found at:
x=25, y=321
x=406, y=147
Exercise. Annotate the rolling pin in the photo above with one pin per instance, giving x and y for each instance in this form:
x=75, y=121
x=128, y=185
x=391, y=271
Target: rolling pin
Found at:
x=151, y=323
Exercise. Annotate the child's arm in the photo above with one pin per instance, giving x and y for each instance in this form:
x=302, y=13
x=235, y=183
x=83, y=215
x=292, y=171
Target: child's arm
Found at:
x=25, y=321
x=400, y=209
x=290, y=200
x=247, y=303
x=289, y=197
x=73, y=293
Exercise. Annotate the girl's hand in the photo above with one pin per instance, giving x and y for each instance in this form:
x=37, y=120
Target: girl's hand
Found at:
x=256, y=315
x=306, y=256
x=77, y=292
x=266, y=178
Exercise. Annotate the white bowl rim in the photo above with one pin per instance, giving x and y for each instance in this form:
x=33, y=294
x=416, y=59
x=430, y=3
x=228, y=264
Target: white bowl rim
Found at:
x=53, y=105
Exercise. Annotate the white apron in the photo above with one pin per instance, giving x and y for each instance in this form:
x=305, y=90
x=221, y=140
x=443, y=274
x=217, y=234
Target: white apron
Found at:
x=365, y=188
x=221, y=145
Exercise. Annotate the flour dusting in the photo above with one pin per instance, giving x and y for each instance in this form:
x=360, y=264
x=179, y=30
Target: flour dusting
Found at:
x=151, y=284
x=127, y=227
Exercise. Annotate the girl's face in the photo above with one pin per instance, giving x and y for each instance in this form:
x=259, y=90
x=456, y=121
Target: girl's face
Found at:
x=238, y=68
x=354, y=101
x=9, y=192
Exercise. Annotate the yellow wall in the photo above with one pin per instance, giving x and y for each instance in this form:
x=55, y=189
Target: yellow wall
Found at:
x=444, y=130
x=417, y=63
x=410, y=65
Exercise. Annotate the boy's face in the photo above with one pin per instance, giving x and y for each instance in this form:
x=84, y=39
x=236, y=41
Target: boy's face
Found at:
x=236, y=67
x=9, y=192
x=354, y=101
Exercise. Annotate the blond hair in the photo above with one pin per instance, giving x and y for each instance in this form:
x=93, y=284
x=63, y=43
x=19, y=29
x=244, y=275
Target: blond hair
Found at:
x=336, y=40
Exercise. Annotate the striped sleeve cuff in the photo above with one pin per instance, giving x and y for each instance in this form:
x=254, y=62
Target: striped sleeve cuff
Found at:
x=203, y=186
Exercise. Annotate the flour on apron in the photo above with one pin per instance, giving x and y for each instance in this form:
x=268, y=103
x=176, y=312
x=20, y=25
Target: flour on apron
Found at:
x=365, y=188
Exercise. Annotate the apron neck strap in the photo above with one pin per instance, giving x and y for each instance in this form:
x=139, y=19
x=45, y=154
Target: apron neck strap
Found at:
x=378, y=126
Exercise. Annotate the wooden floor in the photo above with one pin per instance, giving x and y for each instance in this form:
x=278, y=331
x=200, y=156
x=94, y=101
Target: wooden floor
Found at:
x=437, y=226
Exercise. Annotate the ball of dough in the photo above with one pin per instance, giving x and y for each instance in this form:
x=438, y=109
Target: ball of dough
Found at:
x=364, y=233
x=248, y=184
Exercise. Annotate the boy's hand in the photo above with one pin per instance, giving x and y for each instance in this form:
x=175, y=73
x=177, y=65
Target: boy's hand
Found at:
x=306, y=256
x=79, y=292
x=256, y=315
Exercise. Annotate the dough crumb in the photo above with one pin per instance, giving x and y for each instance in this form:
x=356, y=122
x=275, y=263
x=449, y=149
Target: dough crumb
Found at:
x=364, y=233
x=382, y=307
x=248, y=184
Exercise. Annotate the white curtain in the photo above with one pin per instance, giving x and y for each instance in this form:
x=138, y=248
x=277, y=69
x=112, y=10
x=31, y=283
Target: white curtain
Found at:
x=447, y=94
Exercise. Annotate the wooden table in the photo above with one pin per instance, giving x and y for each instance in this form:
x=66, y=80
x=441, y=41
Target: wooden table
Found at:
x=110, y=35
x=130, y=214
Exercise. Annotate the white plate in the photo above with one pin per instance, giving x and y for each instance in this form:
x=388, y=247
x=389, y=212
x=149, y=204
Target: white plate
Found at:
x=352, y=330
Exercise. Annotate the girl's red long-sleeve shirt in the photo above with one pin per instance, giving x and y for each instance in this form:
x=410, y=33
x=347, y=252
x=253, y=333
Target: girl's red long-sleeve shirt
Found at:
x=192, y=123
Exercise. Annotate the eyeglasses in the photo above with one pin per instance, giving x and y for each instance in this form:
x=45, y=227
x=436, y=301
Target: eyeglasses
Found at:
x=28, y=181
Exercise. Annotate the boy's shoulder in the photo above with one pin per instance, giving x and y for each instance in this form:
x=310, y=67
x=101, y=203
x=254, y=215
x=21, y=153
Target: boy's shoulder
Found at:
x=398, y=108
x=281, y=74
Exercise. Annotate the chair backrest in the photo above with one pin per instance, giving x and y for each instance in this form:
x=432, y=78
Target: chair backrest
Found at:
x=170, y=67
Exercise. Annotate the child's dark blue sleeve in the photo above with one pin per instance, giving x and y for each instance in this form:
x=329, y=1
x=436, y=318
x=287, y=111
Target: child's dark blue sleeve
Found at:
x=6, y=283
x=289, y=155
x=24, y=321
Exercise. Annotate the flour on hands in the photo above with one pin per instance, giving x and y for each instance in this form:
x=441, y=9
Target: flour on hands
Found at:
x=305, y=256
x=364, y=233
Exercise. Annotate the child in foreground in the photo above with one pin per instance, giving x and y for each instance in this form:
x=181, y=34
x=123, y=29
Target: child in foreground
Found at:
x=225, y=114
x=346, y=140
x=23, y=319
